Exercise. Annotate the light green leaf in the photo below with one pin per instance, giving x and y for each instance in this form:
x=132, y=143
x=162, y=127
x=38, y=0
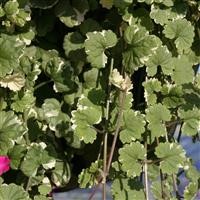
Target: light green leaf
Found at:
x=13, y=192
x=86, y=115
x=181, y=31
x=191, y=191
x=73, y=46
x=161, y=57
x=130, y=156
x=183, y=71
x=172, y=157
x=11, y=129
x=162, y=15
x=141, y=46
x=11, y=7
x=191, y=118
x=35, y=157
x=10, y=51
x=14, y=82
x=89, y=177
x=151, y=86
x=90, y=78
x=133, y=128
x=157, y=115
x=24, y=103
x=95, y=45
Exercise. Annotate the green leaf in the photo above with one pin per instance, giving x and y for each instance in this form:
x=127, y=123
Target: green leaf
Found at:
x=133, y=128
x=11, y=129
x=162, y=57
x=86, y=115
x=141, y=46
x=35, y=157
x=157, y=115
x=24, y=103
x=13, y=192
x=11, y=7
x=71, y=14
x=173, y=95
x=126, y=188
x=191, y=120
x=89, y=177
x=16, y=155
x=10, y=51
x=95, y=45
x=172, y=157
x=106, y=3
x=183, y=71
x=191, y=191
x=90, y=78
x=181, y=31
x=130, y=156
x=151, y=86
x=162, y=15
x=73, y=46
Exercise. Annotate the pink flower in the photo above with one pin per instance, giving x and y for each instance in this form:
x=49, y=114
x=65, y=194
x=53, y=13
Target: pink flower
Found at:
x=4, y=164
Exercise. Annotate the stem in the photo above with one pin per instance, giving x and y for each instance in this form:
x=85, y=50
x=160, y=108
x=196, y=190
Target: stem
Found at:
x=122, y=100
x=146, y=175
x=42, y=84
x=106, y=133
x=28, y=184
x=175, y=186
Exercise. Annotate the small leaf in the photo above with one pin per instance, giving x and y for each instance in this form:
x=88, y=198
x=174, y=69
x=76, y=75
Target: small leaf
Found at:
x=95, y=45
x=172, y=156
x=182, y=31
x=130, y=156
x=134, y=126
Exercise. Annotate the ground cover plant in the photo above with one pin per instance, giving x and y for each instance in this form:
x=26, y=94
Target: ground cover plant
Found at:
x=93, y=91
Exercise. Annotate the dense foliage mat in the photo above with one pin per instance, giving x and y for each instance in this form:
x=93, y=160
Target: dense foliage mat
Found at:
x=92, y=91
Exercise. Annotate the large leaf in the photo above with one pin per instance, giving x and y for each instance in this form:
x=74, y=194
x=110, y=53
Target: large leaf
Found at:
x=181, y=31
x=172, y=157
x=157, y=115
x=95, y=45
x=13, y=192
x=162, y=57
x=183, y=71
x=141, y=46
x=10, y=51
x=86, y=115
x=11, y=129
x=35, y=157
x=133, y=128
x=130, y=156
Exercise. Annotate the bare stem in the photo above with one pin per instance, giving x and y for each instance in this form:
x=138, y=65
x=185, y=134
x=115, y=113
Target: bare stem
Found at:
x=122, y=100
x=28, y=184
x=146, y=175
